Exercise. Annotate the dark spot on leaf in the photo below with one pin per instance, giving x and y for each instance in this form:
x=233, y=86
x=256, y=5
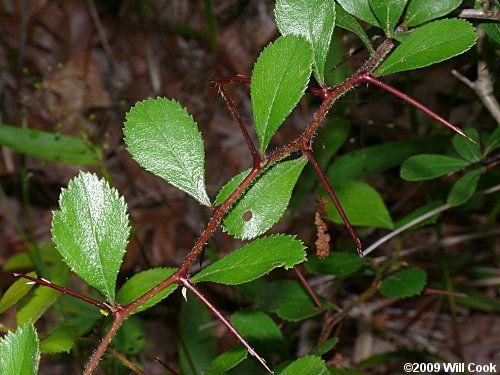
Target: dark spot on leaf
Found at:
x=247, y=215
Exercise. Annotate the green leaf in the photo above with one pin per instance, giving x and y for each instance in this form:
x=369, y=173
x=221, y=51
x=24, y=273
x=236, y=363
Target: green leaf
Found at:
x=164, y=139
x=375, y=159
x=464, y=188
x=254, y=260
x=287, y=299
x=362, y=204
x=59, y=340
x=465, y=148
x=49, y=146
x=16, y=291
x=226, y=361
x=420, y=212
x=264, y=202
x=197, y=345
x=387, y=13
x=80, y=314
x=279, y=79
x=360, y=9
x=140, y=283
x=406, y=283
x=324, y=347
x=32, y=308
x=91, y=231
x=432, y=43
x=492, y=142
x=314, y=20
x=492, y=29
x=260, y=331
x=426, y=167
x=420, y=11
x=348, y=22
x=308, y=365
x=19, y=353
x=337, y=263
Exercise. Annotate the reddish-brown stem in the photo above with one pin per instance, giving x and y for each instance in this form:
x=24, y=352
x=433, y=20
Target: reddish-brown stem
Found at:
x=131, y=365
x=167, y=367
x=257, y=159
x=369, y=78
x=307, y=150
x=61, y=289
x=226, y=322
x=308, y=288
x=231, y=80
x=444, y=292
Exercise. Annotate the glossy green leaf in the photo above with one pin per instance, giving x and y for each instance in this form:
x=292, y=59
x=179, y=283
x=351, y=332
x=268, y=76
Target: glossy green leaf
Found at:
x=362, y=204
x=32, y=308
x=314, y=20
x=91, y=231
x=280, y=77
x=360, y=9
x=49, y=146
x=492, y=142
x=19, y=353
x=348, y=22
x=308, y=365
x=264, y=202
x=197, y=345
x=260, y=331
x=420, y=212
x=16, y=291
x=406, y=283
x=226, y=361
x=337, y=263
x=420, y=11
x=432, y=43
x=387, y=13
x=287, y=299
x=375, y=159
x=324, y=347
x=164, y=139
x=254, y=260
x=465, y=148
x=426, y=167
x=140, y=283
x=59, y=340
x=464, y=188
x=130, y=338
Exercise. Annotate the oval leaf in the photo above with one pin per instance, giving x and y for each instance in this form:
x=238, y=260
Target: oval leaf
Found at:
x=420, y=11
x=140, y=283
x=91, y=231
x=49, y=146
x=360, y=9
x=254, y=260
x=279, y=79
x=348, y=22
x=430, y=44
x=464, y=188
x=362, y=204
x=164, y=139
x=226, y=361
x=468, y=150
x=261, y=332
x=406, y=283
x=337, y=263
x=387, y=13
x=315, y=20
x=426, y=167
x=16, y=291
x=308, y=365
x=19, y=353
x=60, y=339
x=264, y=202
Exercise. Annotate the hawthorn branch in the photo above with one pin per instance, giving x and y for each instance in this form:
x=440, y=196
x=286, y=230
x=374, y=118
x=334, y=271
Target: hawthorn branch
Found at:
x=308, y=288
x=61, y=289
x=226, y=322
